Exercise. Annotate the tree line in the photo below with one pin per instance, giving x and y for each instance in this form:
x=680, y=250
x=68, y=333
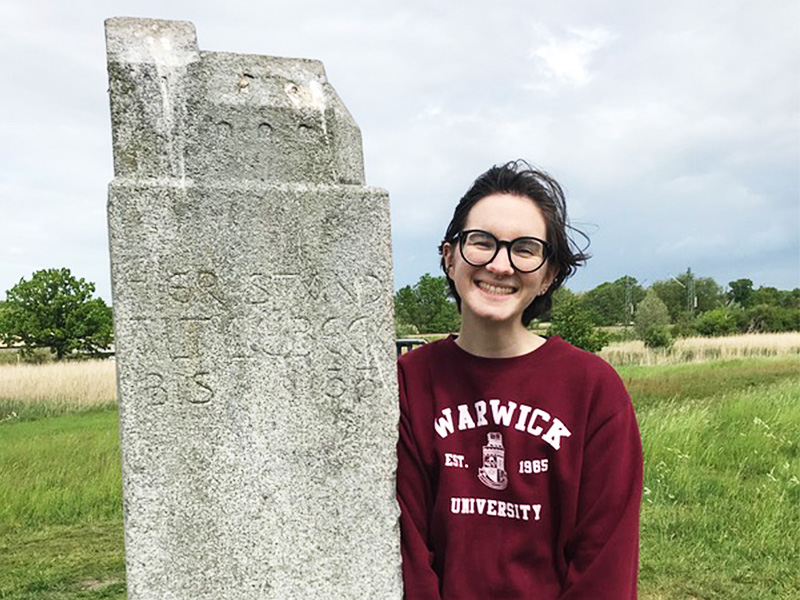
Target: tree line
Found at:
x=677, y=306
x=56, y=310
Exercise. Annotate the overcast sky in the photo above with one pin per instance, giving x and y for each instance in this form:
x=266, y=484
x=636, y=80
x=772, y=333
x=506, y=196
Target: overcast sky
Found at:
x=673, y=126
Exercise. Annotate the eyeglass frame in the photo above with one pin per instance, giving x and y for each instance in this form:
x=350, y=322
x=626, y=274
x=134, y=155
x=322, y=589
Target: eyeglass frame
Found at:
x=461, y=236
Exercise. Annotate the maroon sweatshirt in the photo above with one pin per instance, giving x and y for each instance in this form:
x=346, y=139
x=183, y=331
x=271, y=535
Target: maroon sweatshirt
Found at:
x=517, y=477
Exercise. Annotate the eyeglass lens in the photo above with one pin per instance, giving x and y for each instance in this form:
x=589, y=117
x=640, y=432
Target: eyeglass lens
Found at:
x=480, y=247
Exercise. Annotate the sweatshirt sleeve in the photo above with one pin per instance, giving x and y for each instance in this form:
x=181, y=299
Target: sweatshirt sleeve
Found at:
x=603, y=553
x=415, y=497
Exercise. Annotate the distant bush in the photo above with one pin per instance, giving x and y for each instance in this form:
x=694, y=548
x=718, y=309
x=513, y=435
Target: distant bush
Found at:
x=657, y=337
x=37, y=356
x=574, y=324
x=404, y=330
x=720, y=321
x=772, y=318
x=620, y=334
x=652, y=321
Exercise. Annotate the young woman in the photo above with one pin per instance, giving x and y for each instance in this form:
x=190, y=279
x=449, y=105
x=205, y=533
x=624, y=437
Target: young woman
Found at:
x=519, y=460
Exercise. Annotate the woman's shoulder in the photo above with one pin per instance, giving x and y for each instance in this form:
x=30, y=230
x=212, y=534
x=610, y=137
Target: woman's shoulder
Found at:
x=565, y=350
x=424, y=354
x=581, y=363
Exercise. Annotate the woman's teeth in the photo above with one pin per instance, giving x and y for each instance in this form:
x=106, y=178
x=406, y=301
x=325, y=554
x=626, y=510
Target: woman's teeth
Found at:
x=495, y=289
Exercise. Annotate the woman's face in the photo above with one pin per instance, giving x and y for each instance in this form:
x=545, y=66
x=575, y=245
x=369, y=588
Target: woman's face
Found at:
x=496, y=292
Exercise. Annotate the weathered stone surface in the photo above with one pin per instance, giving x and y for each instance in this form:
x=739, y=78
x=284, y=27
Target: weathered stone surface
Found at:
x=251, y=273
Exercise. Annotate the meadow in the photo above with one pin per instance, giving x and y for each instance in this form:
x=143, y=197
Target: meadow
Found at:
x=53, y=388
x=719, y=515
x=702, y=349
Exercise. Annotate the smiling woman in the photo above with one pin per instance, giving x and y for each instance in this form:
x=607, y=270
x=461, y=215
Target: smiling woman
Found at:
x=529, y=207
x=493, y=289
x=519, y=460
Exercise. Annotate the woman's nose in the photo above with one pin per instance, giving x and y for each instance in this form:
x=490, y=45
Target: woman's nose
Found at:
x=501, y=263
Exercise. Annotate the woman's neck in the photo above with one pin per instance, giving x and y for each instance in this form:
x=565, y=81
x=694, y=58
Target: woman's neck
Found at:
x=497, y=340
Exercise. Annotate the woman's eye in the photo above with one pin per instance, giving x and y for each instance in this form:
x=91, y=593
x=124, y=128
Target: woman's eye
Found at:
x=527, y=249
x=481, y=242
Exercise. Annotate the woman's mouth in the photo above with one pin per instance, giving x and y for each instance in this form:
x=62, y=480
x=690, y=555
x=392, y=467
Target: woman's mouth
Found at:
x=495, y=289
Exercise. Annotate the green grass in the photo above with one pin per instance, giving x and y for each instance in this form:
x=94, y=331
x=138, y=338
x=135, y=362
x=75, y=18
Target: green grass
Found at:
x=61, y=508
x=720, y=516
x=62, y=562
x=655, y=385
x=26, y=410
x=721, y=510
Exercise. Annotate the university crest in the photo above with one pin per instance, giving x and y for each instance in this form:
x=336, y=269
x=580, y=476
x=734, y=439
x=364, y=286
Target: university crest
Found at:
x=493, y=473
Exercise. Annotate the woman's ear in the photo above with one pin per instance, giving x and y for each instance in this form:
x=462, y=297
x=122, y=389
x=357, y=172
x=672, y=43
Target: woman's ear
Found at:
x=547, y=282
x=447, y=257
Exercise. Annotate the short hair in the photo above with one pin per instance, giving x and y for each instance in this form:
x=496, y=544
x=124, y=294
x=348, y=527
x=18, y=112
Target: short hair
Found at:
x=519, y=178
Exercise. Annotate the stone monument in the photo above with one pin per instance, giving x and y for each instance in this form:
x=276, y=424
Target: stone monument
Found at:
x=251, y=273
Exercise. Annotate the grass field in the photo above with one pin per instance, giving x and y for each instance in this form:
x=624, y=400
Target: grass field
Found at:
x=61, y=507
x=33, y=391
x=703, y=349
x=720, y=514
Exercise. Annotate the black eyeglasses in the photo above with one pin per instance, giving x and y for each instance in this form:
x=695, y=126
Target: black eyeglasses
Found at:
x=479, y=248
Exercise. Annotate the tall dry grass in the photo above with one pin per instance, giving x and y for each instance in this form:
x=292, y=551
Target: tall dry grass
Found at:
x=81, y=383
x=701, y=349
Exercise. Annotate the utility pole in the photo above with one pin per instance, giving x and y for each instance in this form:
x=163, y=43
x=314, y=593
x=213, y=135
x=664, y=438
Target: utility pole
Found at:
x=691, y=298
x=627, y=310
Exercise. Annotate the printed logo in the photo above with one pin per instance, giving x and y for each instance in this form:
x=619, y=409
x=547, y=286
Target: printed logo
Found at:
x=493, y=474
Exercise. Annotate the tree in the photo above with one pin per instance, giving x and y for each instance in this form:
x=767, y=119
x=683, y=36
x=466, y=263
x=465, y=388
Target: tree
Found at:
x=686, y=295
x=56, y=310
x=652, y=321
x=741, y=292
x=612, y=303
x=769, y=317
x=573, y=323
x=767, y=295
x=406, y=312
x=425, y=307
x=775, y=297
x=767, y=308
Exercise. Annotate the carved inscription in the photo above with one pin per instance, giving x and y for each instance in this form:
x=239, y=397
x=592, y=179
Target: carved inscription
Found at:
x=363, y=382
x=293, y=323
x=294, y=290
x=276, y=290
x=189, y=337
x=258, y=292
x=265, y=130
x=200, y=391
x=154, y=389
x=191, y=388
x=195, y=286
x=224, y=129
